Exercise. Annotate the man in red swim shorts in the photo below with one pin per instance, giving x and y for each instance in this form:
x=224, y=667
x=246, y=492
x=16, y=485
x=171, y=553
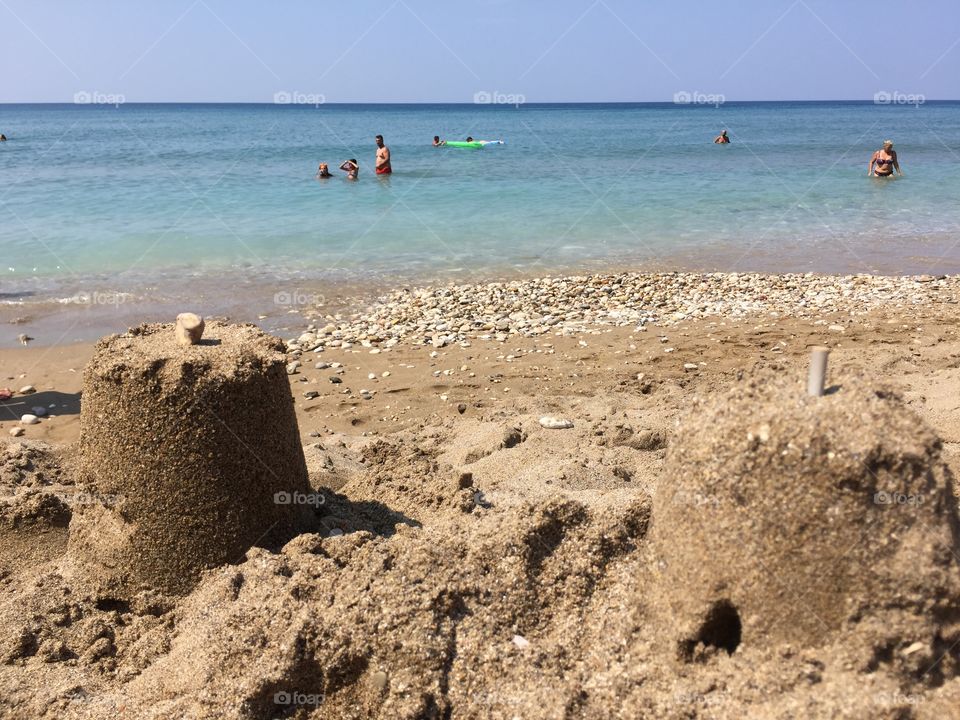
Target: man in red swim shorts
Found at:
x=383, y=158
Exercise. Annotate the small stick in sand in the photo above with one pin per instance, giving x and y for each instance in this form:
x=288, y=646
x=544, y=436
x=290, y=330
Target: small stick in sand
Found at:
x=189, y=328
x=818, y=371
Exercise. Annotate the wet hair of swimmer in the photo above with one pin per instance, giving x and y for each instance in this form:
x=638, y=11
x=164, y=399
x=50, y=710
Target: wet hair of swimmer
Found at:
x=469, y=139
x=436, y=138
x=354, y=162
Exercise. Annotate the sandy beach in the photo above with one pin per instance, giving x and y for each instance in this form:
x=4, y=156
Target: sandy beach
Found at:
x=468, y=560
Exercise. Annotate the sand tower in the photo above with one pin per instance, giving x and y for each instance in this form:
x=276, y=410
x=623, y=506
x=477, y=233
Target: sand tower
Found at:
x=191, y=452
x=783, y=518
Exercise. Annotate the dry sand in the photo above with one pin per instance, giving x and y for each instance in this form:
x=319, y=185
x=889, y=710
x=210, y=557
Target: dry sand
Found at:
x=469, y=563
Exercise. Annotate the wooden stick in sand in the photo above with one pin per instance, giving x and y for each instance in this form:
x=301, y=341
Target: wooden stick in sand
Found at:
x=189, y=328
x=818, y=371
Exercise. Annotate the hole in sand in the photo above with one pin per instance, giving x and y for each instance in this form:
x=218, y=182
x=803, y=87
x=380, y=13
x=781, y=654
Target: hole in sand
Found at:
x=721, y=630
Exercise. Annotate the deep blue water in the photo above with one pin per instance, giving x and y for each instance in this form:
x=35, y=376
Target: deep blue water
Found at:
x=137, y=192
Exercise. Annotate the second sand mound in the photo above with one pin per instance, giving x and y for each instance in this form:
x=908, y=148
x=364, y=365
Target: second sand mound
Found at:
x=782, y=518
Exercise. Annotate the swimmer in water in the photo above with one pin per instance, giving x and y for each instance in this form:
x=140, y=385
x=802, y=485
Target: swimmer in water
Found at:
x=437, y=142
x=885, y=160
x=351, y=168
x=722, y=139
x=323, y=171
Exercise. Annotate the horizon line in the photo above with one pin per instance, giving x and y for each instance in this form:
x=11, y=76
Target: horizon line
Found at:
x=463, y=103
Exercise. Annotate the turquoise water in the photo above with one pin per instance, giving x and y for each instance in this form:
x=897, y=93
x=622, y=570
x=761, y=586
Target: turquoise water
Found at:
x=140, y=192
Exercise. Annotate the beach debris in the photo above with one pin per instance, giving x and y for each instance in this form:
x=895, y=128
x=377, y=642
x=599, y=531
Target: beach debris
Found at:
x=520, y=641
x=17, y=431
x=29, y=419
x=24, y=338
x=818, y=371
x=189, y=328
x=554, y=423
x=6, y=393
x=27, y=390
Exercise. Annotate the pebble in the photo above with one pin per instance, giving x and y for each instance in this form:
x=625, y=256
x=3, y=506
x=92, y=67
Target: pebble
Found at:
x=520, y=641
x=690, y=366
x=336, y=380
x=293, y=367
x=29, y=419
x=17, y=431
x=379, y=680
x=27, y=390
x=554, y=423
x=311, y=394
x=567, y=306
x=322, y=365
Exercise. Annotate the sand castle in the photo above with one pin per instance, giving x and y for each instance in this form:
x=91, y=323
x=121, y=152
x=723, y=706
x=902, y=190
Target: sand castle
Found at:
x=191, y=451
x=783, y=518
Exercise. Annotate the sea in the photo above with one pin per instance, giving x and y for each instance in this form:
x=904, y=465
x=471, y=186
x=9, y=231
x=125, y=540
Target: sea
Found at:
x=166, y=203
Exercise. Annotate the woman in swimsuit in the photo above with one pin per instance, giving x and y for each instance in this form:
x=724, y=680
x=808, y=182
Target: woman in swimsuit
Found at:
x=351, y=168
x=885, y=160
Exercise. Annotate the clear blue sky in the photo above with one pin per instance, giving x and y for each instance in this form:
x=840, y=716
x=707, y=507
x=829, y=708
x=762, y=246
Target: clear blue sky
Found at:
x=430, y=50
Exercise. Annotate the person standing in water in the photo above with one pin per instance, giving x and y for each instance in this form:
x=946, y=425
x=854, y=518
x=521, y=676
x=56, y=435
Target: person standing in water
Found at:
x=383, y=166
x=722, y=139
x=323, y=171
x=3, y=138
x=885, y=160
x=351, y=168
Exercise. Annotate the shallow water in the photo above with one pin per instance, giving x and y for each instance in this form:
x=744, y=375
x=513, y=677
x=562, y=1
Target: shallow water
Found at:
x=157, y=199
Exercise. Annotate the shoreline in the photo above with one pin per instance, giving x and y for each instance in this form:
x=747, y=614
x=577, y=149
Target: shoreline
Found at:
x=489, y=326
x=285, y=305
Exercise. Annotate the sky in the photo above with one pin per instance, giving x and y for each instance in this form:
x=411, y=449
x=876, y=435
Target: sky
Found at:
x=503, y=50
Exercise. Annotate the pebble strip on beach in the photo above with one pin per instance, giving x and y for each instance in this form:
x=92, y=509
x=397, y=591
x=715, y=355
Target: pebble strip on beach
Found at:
x=441, y=316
